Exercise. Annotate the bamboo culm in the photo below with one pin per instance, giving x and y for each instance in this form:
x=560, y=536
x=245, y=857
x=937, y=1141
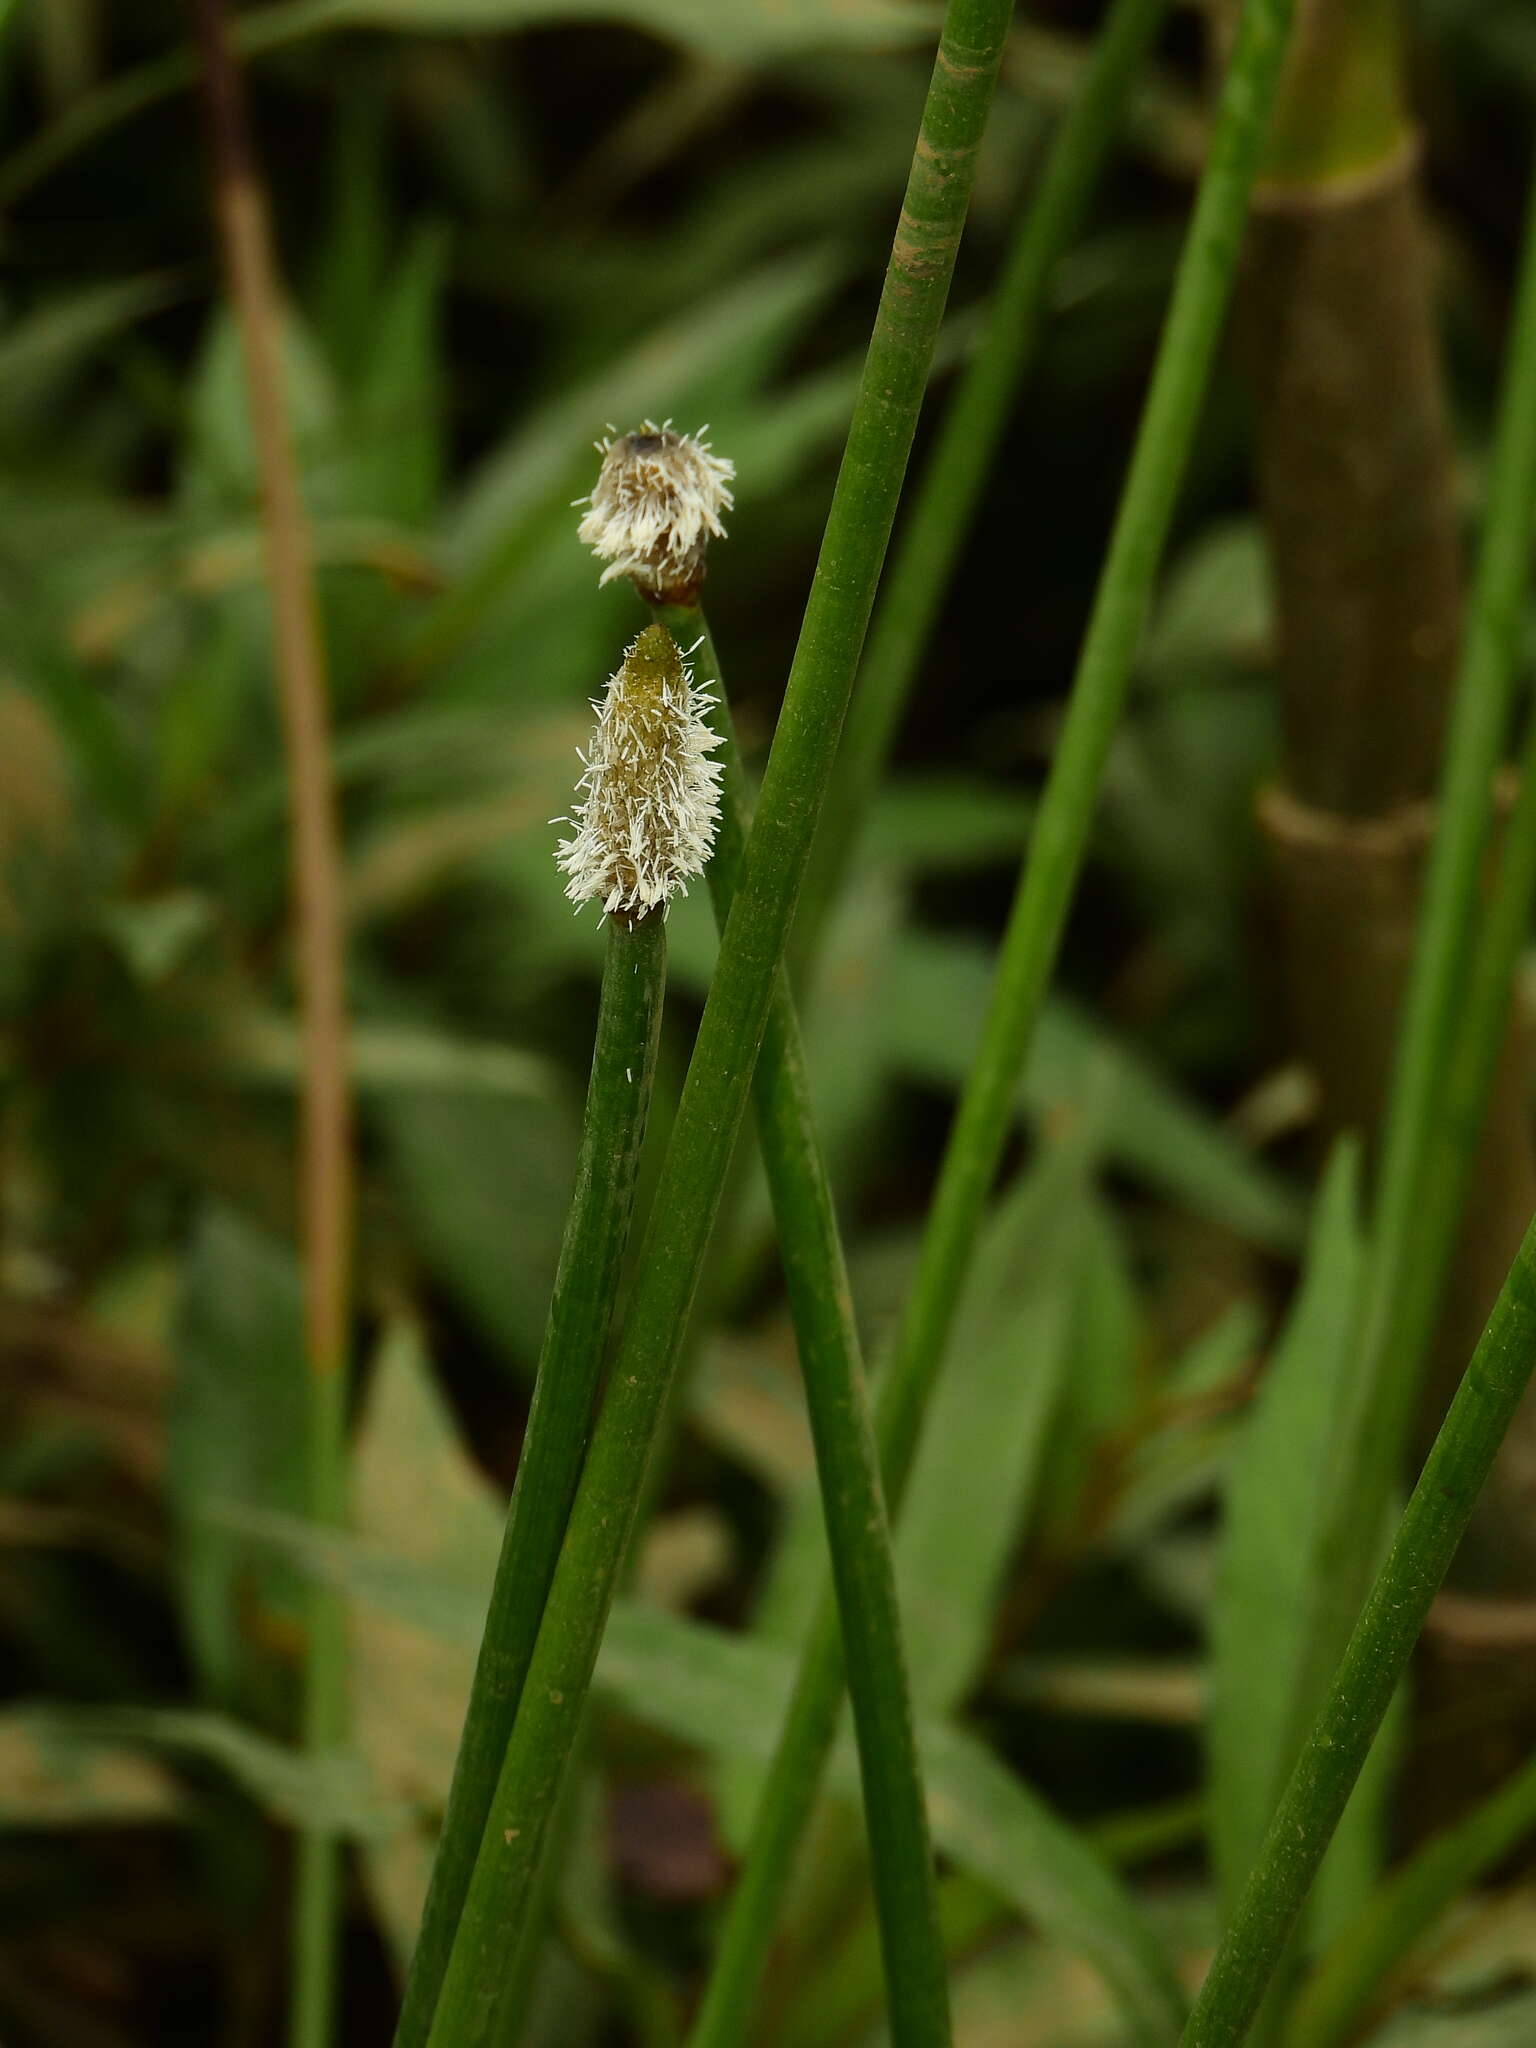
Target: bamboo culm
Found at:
x=1439, y=1074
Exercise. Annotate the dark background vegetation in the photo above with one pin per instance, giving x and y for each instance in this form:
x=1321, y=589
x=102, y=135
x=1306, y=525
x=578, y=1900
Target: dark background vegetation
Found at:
x=496, y=244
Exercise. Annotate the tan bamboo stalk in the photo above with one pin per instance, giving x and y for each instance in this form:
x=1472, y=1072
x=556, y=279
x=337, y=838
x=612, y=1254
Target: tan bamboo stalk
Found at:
x=1356, y=485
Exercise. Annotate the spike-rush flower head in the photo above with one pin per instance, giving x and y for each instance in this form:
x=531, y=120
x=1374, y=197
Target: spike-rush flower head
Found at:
x=645, y=819
x=654, y=508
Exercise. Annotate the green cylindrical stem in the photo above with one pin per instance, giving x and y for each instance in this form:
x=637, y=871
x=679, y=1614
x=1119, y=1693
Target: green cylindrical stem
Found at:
x=1485, y=692
x=730, y=1030
x=318, y=1868
x=1474, y=1062
x=570, y=1365
x=1373, y=1663
x=782, y=1815
x=934, y=532
x=1200, y=297
x=1361, y=1963
x=853, y=1506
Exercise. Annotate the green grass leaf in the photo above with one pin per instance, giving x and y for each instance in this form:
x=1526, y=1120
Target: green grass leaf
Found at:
x=40, y=352
x=935, y=999
x=293, y=1786
x=1270, y=1580
x=1508, y=2022
x=54, y=1774
x=484, y=1183
x=417, y=1574
x=748, y=31
x=264, y=1046
x=237, y=1436
x=989, y=1427
x=723, y=1692
x=396, y=419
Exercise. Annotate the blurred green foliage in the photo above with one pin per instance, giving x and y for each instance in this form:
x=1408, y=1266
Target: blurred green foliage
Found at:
x=504, y=226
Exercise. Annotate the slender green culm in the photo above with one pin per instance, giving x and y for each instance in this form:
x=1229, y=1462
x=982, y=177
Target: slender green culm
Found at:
x=848, y=1466
x=1473, y=1062
x=317, y=1865
x=782, y=1815
x=1476, y=1019
x=1201, y=293
x=741, y=1956
x=570, y=1365
x=1374, y=1662
x=1448, y=1044
x=735, y=1014
x=944, y=504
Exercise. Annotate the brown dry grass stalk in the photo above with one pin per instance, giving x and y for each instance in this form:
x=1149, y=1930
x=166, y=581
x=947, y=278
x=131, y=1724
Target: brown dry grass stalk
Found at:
x=325, y=1140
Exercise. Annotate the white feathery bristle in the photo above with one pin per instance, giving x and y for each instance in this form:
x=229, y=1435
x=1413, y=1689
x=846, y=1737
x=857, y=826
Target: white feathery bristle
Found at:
x=649, y=797
x=656, y=505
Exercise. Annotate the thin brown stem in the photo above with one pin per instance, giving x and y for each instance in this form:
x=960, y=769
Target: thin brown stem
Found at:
x=325, y=1143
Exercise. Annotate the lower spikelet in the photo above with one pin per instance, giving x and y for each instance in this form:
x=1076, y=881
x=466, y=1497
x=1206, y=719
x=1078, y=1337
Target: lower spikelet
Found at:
x=649, y=799
x=655, y=507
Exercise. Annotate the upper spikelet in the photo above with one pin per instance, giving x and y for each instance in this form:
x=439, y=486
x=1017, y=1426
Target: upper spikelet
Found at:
x=649, y=799
x=654, y=508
